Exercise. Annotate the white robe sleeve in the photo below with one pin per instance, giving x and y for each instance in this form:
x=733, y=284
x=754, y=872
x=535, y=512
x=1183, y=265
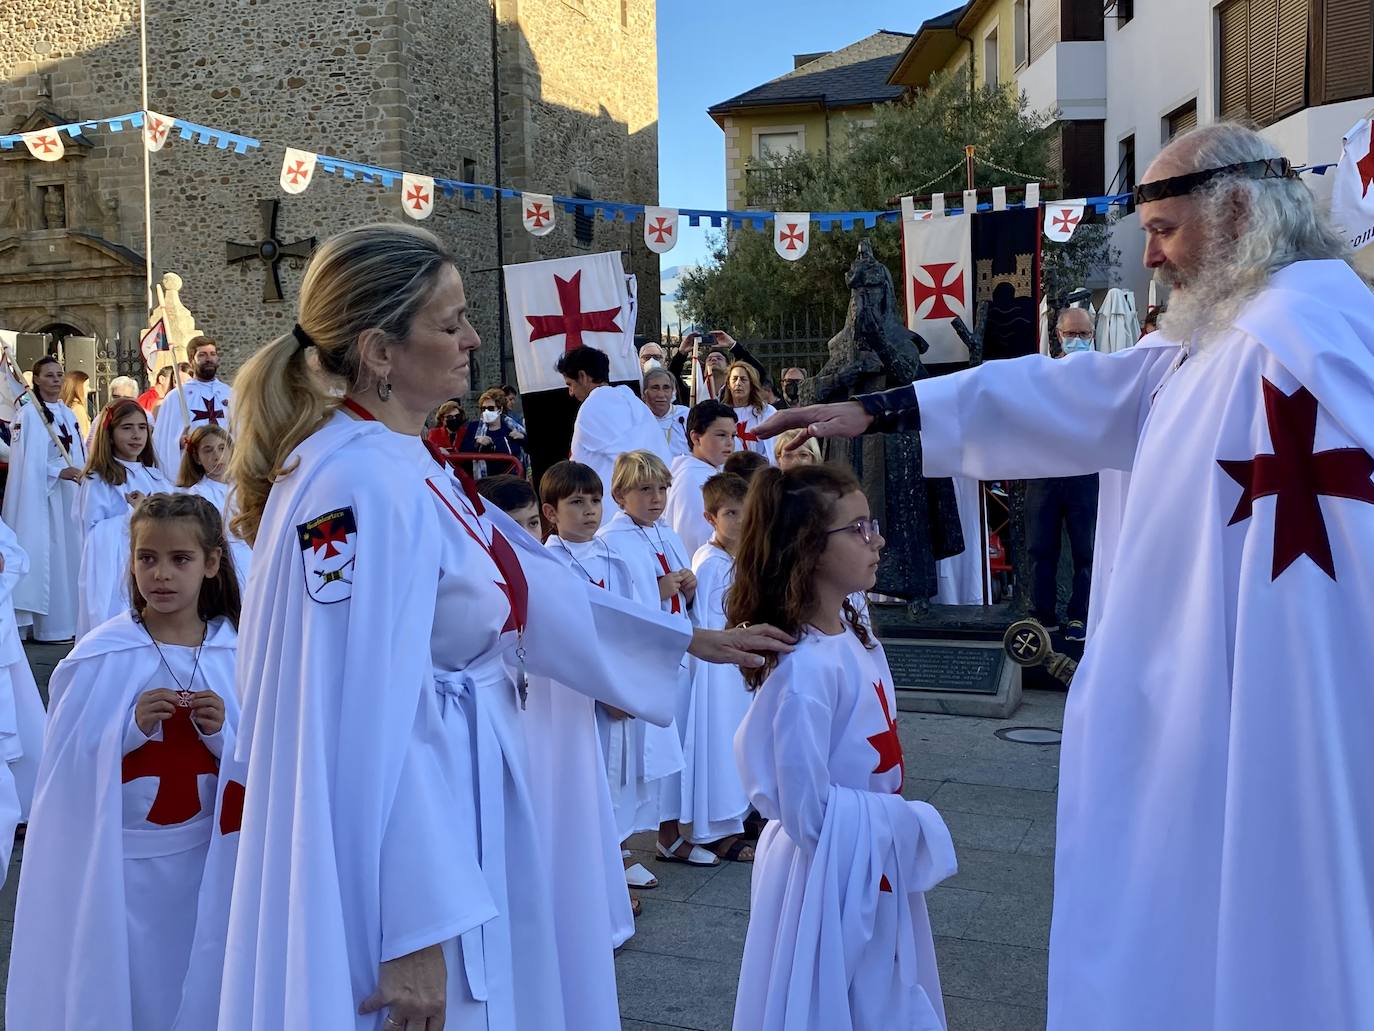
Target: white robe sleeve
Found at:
x=1034, y=417
x=801, y=732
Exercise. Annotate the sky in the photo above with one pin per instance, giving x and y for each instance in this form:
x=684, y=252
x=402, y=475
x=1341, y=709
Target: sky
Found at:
x=711, y=50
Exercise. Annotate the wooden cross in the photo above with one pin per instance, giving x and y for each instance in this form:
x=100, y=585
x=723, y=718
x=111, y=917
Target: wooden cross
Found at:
x=269, y=250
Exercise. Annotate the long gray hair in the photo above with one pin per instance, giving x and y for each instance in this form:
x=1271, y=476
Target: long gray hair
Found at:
x=1253, y=228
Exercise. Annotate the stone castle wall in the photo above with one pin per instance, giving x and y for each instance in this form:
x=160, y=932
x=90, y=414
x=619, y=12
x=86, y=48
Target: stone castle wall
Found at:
x=400, y=83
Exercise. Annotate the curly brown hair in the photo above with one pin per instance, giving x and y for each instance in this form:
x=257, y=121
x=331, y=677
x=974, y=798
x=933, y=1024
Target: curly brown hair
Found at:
x=786, y=516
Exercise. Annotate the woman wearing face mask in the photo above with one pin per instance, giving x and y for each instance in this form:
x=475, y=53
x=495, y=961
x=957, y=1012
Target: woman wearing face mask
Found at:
x=447, y=431
x=490, y=433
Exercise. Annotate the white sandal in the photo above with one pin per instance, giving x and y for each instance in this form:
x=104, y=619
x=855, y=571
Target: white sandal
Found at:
x=697, y=857
x=638, y=876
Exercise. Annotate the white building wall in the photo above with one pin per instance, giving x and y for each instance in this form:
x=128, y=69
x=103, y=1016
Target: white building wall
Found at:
x=1156, y=63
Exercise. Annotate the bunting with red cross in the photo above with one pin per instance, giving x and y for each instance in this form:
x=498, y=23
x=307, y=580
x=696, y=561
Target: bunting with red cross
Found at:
x=564, y=303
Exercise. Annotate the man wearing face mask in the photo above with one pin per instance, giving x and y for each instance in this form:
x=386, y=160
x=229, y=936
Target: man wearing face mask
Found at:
x=791, y=387
x=1059, y=504
x=491, y=433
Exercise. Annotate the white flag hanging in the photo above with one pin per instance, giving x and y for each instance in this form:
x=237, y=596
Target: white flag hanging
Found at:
x=937, y=205
x=1062, y=218
x=791, y=233
x=537, y=211
x=660, y=229
x=45, y=144
x=297, y=170
x=999, y=198
x=939, y=283
x=563, y=303
x=156, y=129
x=1032, y=195
x=970, y=201
x=417, y=195
x=1352, y=192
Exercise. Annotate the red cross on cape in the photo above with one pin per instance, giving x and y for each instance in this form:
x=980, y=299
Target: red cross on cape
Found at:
x=1296, y=475
x=177, y=761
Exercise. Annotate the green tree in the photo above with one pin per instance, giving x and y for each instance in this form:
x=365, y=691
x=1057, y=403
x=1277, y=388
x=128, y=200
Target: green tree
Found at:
x=916, y=146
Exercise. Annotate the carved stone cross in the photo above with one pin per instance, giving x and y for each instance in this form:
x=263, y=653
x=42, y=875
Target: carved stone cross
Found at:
x=269, y=250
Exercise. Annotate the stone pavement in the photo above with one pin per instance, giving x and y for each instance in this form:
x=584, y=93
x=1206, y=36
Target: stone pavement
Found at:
x=991, y=921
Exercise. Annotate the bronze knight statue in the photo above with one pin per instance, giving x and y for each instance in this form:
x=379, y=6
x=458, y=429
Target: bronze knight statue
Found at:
x=875, y=351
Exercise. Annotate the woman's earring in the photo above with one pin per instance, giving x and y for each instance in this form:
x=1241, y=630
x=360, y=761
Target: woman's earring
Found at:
x=384, y=390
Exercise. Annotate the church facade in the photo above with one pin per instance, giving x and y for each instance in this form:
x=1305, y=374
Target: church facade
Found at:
x=551, y=96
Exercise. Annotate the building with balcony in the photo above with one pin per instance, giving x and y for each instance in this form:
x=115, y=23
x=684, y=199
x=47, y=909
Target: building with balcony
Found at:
x=808, y=110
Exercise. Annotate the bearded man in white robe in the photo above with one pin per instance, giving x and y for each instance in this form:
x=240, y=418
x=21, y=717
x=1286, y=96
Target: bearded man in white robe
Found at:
x=1215, y=859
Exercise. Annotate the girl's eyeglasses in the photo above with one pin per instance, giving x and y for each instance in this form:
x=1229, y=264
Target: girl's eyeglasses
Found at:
x=865, y=528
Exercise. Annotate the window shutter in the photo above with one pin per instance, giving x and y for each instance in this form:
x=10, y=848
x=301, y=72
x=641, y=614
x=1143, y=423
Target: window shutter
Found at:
x=1263, y=38
x=1290, y=65
x=1347, y=50
x=1044, y=27
x=1234, y=30
x=1183, y=119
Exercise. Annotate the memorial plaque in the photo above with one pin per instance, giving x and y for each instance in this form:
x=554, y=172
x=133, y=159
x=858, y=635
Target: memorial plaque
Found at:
x=924, y=666
x=959, y=677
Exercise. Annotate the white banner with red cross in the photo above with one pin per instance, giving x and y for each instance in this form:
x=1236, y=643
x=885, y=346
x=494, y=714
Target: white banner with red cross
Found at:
x=938, y=275
x=1352, y=199
x=563, y=303
x=1062, y=219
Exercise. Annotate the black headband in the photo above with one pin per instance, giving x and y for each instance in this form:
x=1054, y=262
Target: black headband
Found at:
x=1182, y=185
x=302, y=337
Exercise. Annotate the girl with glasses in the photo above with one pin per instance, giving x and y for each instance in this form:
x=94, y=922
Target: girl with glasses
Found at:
x=838, y=931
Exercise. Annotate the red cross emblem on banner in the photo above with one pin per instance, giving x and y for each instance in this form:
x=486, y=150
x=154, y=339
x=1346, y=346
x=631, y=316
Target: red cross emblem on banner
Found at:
x=939, y=290
x=792, y=235
x=177, y=761
x=573, y=321
x=538, y=215
x=210, y=412
x=1366, y=167
x=417, y=198
x=157, y=129
x=46, y=144
x=661, y=229
x=1065, y=221
x=1296, y=475
x=297, y=173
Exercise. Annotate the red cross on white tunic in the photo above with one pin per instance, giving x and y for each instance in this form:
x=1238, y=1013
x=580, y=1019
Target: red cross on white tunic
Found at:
x=177, y=761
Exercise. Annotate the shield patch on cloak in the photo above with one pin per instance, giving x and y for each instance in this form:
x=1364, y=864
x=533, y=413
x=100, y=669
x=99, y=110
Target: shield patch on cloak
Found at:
x=329, y=546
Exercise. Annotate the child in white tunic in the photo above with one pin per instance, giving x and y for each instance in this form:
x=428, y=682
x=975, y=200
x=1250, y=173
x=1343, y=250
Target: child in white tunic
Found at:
x=711, y=429
x=660, y=574
x=205, y=471
x=142, y=710
x=40, y=506
x=571, y=501
x=713, y=800
x=839, y=938
x=121, y=472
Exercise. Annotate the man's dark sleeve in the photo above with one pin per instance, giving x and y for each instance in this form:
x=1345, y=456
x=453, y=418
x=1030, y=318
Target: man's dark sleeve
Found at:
x=738, y=352
x=676, y=362
x=893, y=411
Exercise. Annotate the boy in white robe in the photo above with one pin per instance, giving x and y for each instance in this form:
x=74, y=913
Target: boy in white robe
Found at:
x=660, y=575
x=40, y=505
x=713, y=800
x=711, y=430
x=142, y=710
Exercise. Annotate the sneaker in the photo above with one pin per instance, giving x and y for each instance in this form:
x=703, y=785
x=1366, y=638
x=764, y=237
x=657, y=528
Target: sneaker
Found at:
x=1075, y=631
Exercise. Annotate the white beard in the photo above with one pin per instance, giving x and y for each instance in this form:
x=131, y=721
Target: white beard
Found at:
x=1208, y=306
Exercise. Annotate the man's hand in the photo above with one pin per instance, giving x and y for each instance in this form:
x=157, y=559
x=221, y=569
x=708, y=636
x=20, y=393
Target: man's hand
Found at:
x=739, y=647
x=153, y=707
x=70, y=473
x=724, y=339
x=845, y=419
x=685, y=345
x=412, y=989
